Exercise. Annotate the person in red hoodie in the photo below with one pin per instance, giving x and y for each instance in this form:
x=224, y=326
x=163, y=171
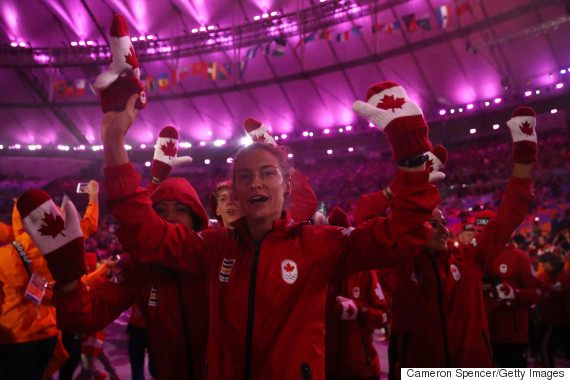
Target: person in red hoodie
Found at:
x=438, y=312
x=175, y=307
x=508, y=303
x=268, y=277
x=355, y=307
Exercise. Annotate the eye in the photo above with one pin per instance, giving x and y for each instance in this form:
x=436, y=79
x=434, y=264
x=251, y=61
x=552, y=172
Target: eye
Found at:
x=267, y=173
x=181, y=210
x=243, y=177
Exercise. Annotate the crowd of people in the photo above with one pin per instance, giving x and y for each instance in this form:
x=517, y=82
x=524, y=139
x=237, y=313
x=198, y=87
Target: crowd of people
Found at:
x=278, y=287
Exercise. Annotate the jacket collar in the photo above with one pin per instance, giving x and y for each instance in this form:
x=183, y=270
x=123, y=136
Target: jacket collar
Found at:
x=280, y=226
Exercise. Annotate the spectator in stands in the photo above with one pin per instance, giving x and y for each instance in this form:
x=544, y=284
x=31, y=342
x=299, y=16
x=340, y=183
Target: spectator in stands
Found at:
x=222, y=206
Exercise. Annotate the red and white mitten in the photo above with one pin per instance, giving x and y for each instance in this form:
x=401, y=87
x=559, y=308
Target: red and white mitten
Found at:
x=347, y=307
x=505, y=292
x=165, y=155
x=257, y=131
x=437, y=157
x=389, y=108
x=522, y=125
x=58, y=237
x=121, y=80
x=338, y=217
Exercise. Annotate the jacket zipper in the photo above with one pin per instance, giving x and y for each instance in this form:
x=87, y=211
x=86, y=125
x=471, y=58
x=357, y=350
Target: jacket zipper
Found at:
x=177, y=276
x=441, y=313
x=251, y=308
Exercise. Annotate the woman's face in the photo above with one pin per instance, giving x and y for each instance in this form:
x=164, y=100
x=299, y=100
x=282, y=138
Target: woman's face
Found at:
x=438, y=241
x=174, y=212
x=227, y=209
x=259, y=185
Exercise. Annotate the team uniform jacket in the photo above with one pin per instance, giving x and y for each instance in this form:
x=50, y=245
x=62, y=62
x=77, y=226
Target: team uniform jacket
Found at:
x=508, y=319
x=267, y=300
x=350, y=351
x=445, y=324
x=156, y=290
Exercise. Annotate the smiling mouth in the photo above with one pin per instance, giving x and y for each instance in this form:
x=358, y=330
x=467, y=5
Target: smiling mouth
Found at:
x=258, y=199
x=231, y=211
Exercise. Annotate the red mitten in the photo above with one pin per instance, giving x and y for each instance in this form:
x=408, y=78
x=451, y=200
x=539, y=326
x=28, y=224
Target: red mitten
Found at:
x=58, y=237
x=388, y=107
x=522, y=125
x=165, y=155
x=437, y=157
x=346, y=308
x=505, y=292
x=117, y=84
x=257, y=131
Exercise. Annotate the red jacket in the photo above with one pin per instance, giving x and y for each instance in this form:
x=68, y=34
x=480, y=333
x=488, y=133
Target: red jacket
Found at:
x=446, y=324
x=350, y=351
x=508, y=320
x=555, y=302
x=267, y=301
x=156, y=291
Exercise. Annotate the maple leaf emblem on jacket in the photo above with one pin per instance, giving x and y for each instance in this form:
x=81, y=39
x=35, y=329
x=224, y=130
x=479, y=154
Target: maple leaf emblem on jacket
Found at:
x=169, y=149
x=289, y=267
x=389, y=102
x=54, y=225
x=526, y=128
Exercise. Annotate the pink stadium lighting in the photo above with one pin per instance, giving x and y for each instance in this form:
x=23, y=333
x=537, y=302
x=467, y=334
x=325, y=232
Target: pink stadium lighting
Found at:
x=265, y=15
x=563, y=71
x=230, y=160
x=283, y=136
x=274, y=13
x=348, y=128
x=134, y=39
x=340, y=130
x=442, y=112
x=142, y=38
x=195, y=30
x=22, y=44
x=310, y=134
x=329, y=151
x=537, y=92
x=472, y=131
x=495, y=126
x=528, y=93
x=14, y=44
x=351, y=149
x=147, y=164
x=326, y=131
x=559, y=86
x=371, y=125
x=256, y=18
x=211, y=27
x=305, y=134
x=150, y=37
x=290, y=155
x=143, y=146
x=202, y=143
x=81, y=43
x=497, y=100
x=207, y=161
x=81, y=147
x=74, y=43
x=470, y=106
x=202, y=29
x=554, y=110
x=487, y=104
x=17, y=146
x=90, y=43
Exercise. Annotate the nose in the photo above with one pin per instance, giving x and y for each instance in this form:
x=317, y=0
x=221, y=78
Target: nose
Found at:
x=255, y=182
x=170, y=217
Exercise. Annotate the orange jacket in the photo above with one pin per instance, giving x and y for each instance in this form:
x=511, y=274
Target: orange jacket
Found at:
x=6, y=233
x=21, y=320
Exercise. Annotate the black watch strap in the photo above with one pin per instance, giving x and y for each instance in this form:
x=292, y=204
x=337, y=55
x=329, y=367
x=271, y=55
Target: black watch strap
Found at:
x=412, y=162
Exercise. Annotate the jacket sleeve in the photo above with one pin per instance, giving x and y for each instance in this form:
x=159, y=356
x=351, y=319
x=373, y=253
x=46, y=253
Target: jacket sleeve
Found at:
x=90, y=219
x=376, y=315
x=146, y=236
x=512, y=211
x=6, y=233
x=83, y=311
x=369, y=206
x=383, y=242
x=304, y=199
x=92, y=278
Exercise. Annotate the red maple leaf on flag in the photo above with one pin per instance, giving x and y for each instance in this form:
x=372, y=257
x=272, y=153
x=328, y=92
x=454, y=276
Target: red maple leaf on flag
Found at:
x=258, y=138
x=131, y=58
x=289, y=267
x=54, y=225
x=505, y=289
x=350, y=310
x=388, y=102
x=429, y=165
x=169, y=149
x=526, y=128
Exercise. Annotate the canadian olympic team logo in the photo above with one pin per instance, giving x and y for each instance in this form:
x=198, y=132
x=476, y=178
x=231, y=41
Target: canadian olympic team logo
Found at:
x=503, y=268
x=289, y=271
x=356, y=292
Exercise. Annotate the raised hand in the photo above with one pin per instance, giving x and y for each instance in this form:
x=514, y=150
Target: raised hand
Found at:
x=523, y=131
x=166, y=155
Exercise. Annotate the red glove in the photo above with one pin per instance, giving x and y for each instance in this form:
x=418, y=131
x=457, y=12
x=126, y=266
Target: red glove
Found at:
x=522, y=125
x=58, y=237
x=117, y=84
x=257, y=131
x=165, y=155
x=388, y=107
x=437, y=157
x=346, y=308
